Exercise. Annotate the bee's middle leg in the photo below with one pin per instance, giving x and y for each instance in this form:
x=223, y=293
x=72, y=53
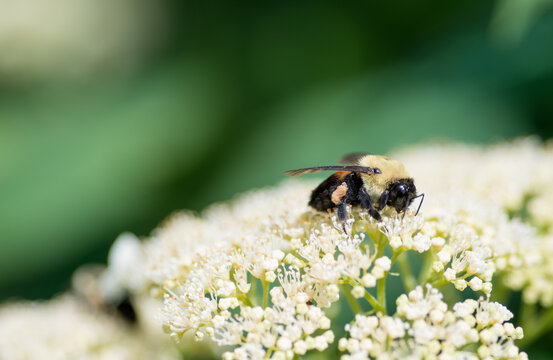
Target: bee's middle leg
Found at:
x=367, y=203
x=342, y=212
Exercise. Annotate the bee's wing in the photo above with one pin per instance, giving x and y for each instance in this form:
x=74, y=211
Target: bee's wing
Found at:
x=352, y=159
x=359, y=169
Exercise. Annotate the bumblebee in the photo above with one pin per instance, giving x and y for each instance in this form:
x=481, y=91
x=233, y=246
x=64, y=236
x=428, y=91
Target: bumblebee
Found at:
x=372, y=181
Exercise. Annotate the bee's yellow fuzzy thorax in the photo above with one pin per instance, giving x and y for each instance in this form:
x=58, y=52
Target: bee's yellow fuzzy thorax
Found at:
x=391, y=170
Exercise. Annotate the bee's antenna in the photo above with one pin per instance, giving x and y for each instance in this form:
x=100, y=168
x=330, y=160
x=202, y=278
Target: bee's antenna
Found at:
x=420, y=204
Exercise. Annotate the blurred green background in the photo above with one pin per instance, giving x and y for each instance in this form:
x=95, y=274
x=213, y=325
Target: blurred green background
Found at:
x=113, y=114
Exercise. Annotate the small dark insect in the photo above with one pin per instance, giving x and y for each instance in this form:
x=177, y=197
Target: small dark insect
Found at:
x=87, y=285
x=371, y=181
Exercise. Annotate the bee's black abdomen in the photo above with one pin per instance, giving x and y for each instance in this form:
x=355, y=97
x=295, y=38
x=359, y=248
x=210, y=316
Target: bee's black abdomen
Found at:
x=321, y=197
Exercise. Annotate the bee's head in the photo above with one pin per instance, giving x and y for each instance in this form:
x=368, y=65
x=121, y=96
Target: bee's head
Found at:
x=402, y=193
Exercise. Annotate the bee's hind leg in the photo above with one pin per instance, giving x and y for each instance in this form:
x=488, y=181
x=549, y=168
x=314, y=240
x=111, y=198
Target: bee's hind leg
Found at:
x=342, y=212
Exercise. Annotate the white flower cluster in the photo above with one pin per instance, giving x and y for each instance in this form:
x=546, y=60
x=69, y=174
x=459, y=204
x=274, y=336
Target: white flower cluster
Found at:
x=66, y=328
x=87, y=323
x=508, y=173
x=453, y=241
x=424, y=328
x=535, y=279
x=467, y=238
x=259, y=273
x=291, y=326
x=480, y=240
x=496, y=183
x=270, y=243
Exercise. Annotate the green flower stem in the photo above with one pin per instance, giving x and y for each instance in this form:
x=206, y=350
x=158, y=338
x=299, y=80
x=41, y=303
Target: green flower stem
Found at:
x=440, y=282
x=374, y=303
x=407, y=276
x=380, y=243
x=265, y=292
x=396, y=255
x=425, y=275
x=351, y=300
x=534, y=326
x=245, y=300
x=252, y=292
x=381, y=293
x=269, y=353
x=381, y=283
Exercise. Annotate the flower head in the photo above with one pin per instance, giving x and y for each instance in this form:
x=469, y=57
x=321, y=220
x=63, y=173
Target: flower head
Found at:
x=66, y=328
x=260, y=273
x=510, y=190
x=424, y=327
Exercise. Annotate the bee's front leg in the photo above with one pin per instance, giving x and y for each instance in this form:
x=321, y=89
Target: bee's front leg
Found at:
x=383, y=199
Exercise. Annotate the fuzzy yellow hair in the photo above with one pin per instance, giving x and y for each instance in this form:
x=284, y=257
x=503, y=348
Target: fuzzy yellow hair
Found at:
x=391, y=170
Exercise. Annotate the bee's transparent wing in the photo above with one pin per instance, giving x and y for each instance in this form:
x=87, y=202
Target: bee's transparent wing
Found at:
x=359, y=169
x=352, y=159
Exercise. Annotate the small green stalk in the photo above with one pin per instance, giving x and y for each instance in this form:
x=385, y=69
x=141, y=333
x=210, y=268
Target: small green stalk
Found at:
x=407, y=276
x=381, y=283
x=245, y=300
x=381, y=293
x=265, y=292
x=426, y=272
x=354, y=305
x=374, y=303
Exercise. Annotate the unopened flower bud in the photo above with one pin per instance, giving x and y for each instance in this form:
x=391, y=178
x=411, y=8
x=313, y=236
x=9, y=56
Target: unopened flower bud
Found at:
x=358, y=292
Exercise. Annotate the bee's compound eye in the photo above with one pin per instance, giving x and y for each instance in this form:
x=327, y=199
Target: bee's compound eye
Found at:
x=402, y=188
